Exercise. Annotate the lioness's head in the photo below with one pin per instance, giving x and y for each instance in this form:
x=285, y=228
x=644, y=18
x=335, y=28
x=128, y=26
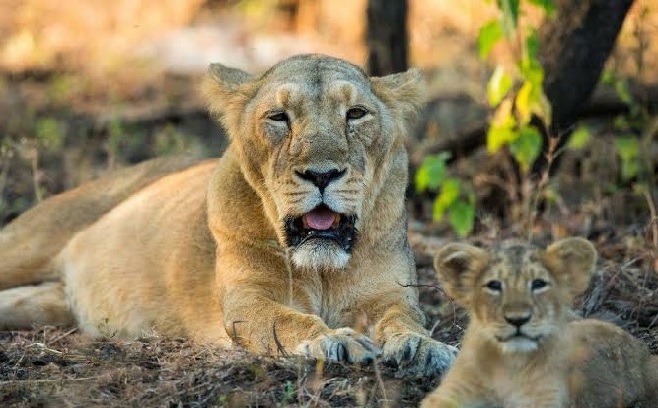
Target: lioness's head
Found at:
x=518, y=295
x=318, y=141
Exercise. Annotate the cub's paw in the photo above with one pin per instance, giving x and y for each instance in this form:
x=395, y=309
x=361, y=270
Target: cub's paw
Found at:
x=344, y=345
x=418, y=355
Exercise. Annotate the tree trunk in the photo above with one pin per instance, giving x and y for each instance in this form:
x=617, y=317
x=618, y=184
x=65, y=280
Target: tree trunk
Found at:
x=575, y=45
x=387, y=36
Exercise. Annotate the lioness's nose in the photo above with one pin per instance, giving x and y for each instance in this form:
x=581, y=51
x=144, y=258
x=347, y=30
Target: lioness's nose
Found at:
x=518, y=319
x=321, y=179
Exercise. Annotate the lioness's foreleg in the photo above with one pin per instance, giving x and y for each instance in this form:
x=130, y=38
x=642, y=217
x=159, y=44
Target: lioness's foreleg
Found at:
x=28, y=306
x=400, y=333
x=264, y=325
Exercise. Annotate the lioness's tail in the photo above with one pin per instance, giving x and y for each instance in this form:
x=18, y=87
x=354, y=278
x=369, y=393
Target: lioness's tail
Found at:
x=29, y=243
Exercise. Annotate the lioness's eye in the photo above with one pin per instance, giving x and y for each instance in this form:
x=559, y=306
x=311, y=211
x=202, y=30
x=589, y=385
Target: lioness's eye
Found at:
x=538, y=284
x=278, y=116
x=356, y=113
x=494, y=285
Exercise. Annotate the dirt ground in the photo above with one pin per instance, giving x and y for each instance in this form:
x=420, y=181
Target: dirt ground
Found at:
x=51, y=367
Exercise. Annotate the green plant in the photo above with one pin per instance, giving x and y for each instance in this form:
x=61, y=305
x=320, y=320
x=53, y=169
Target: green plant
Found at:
x=521, y=110
x=456, y=198
x=633, y=149
x=516, y=93
x=517, y=97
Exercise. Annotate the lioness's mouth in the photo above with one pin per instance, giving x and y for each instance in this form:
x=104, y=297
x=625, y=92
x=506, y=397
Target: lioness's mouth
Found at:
x=322, y=223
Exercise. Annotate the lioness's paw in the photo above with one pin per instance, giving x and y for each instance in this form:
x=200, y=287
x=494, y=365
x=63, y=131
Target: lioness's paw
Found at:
x=418, y=355
x=342, y=344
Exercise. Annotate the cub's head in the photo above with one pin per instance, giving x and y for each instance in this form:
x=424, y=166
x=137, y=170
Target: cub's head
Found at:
x=517, y=296
x=319, y=141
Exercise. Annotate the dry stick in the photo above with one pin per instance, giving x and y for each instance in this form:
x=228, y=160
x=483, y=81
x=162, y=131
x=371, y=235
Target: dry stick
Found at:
x=380, y=382
x=551, y=154
x=61, y=336
x=650, y=133
x=234, y=337
x=279, y=346
x=47, y=380
x=440, y=289
x=654, y=220
x=42, y=346
x=5, y=160
x=35, y=175
x=511, y=175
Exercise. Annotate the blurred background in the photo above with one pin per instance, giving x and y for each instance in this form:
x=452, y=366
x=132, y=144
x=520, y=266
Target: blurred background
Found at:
x=90, y=86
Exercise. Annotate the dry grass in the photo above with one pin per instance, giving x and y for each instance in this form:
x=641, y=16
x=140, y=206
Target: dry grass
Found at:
x=51, y=367
x=54, y=367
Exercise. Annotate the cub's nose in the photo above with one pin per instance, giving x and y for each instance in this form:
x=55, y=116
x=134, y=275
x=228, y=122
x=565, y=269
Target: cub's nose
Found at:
x=518, y=320
x=321, y=179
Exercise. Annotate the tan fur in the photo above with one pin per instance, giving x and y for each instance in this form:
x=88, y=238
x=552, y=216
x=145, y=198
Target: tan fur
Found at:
x=202, y=251
x=558, y=360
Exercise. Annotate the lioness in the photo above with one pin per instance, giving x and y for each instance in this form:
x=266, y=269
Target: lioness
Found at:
x=294, y=241
x=524, y=347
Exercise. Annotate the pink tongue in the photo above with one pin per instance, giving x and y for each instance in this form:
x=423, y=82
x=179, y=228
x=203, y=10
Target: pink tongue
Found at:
x=320, y=219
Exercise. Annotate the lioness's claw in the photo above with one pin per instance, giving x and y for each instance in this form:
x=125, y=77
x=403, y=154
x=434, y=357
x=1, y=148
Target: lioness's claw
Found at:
x=341, y=345
x=418, y=355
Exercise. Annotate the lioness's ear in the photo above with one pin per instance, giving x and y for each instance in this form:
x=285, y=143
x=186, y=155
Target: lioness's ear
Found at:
x=572, y=260
x=404, y=93
x=226, y=91
x=227, y=77
x=456, y=266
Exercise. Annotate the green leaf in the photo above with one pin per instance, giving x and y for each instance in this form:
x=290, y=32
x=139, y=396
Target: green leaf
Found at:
x=503, y=127
x=608, y=77
x=621, y=88
x=524, y=101
x=431, y=173
x=531, y=100
x=449, y=193
x=498, y=137
x=489, y=35
x=579, y=138
x=532, y=71
x=629, y=169
x=462, y=217
x=49, y=134
x=628, y=147
x=526, y=147
x=547, y=5
x=510, y=18
x=498, y=86
x=621, y=122
x=532, y=45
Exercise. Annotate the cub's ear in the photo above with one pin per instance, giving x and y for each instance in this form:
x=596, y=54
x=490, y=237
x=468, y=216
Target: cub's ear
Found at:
x=404, y=93
x=572, y=261
x=456, y=267
x=226, y=91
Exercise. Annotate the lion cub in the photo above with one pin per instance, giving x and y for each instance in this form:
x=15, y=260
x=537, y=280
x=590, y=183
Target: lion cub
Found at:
x=523, y=347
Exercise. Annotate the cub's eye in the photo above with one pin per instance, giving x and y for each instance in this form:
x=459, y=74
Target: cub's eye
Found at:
x=356, y=112
x=278, y=116
x=537, y=284
x=494, y=285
